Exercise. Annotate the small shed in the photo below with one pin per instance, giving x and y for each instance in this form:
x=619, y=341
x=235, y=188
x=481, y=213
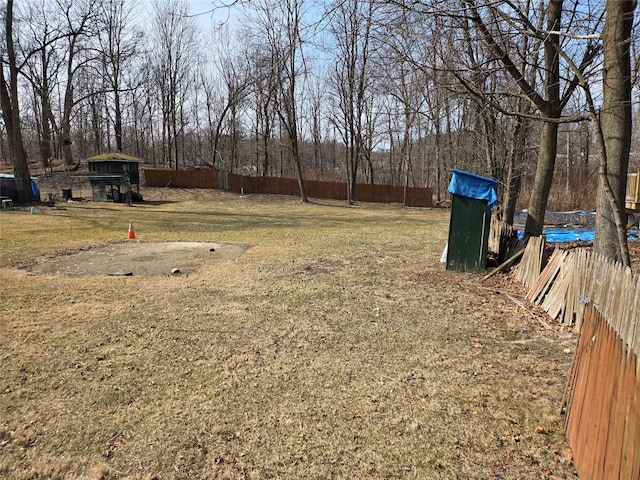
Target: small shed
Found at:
x=113, y=176
x=473, y=199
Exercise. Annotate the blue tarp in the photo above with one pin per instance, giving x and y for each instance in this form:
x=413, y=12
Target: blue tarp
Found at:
x=565, y=235
x=474, y=186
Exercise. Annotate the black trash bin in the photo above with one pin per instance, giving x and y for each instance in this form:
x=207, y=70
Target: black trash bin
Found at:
x=66, y=194
x=473, y=199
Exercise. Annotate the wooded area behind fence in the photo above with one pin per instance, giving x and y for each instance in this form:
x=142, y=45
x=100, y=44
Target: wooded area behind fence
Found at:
x=602, y=397
x=409, y=196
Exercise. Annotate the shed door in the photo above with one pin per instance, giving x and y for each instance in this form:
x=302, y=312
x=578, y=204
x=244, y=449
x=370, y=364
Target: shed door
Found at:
x=468, y=234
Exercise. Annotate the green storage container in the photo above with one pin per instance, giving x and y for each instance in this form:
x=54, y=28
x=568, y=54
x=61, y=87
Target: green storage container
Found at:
x=471, y=205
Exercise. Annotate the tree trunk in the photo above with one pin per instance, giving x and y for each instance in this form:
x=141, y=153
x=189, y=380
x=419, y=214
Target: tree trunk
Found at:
x=67, y=153
x=117, y=124
x=295, y=150
x=611, y=240
x=65, y=123
x=45, y=111
x=11, y=115
x=543, y=179
x=352, y=172
x=45, y=142
x=514, y=170
x=549, y=134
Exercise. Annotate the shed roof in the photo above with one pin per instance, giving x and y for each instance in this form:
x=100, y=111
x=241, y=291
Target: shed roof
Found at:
x=113, y=157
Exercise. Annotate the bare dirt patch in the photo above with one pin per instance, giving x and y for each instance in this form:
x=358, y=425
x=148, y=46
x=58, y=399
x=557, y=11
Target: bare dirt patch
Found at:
x=137, y=258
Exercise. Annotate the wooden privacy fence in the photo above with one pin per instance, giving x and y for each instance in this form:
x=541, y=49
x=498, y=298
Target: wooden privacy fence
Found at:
x=409, y=196
x=155, y=177
x=602, y=397
x=602, y=403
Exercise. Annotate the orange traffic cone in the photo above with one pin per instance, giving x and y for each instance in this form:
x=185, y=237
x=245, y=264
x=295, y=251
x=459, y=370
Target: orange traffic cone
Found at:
x=131, y=234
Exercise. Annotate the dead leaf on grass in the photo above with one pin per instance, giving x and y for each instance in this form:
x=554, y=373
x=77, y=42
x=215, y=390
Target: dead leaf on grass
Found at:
x=565, y=456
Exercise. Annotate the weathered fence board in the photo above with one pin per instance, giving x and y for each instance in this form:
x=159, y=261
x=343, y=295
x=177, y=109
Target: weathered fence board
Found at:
x=615, y=443
x=602, y=403
x=540, y=287
x=530, y=267
x=571, y=279
x=503, y=239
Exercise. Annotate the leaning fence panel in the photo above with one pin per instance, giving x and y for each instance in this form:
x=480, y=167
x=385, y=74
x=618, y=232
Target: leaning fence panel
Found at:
x=572, y=279
x=601, y=401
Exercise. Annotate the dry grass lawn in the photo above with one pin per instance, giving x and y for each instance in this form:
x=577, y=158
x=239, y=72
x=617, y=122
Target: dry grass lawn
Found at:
x=335, y=346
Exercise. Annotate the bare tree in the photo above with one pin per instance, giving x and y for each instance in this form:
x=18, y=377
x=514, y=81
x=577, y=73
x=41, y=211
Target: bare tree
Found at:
x=9, y=100
x=80, y=26
x=495, y=25
x=315, y=119
x=265, y=104
x=404, y=45
x=42, y=69
x=144, y=112
x=173, y=56
x=117, y=47
x=281, y=26
x=612, y=126
x=235, y=78
x=614, y=130
x=351, y=28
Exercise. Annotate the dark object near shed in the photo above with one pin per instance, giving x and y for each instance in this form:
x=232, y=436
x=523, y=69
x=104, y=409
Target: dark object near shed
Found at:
x=473, y=199
x=9, y=190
